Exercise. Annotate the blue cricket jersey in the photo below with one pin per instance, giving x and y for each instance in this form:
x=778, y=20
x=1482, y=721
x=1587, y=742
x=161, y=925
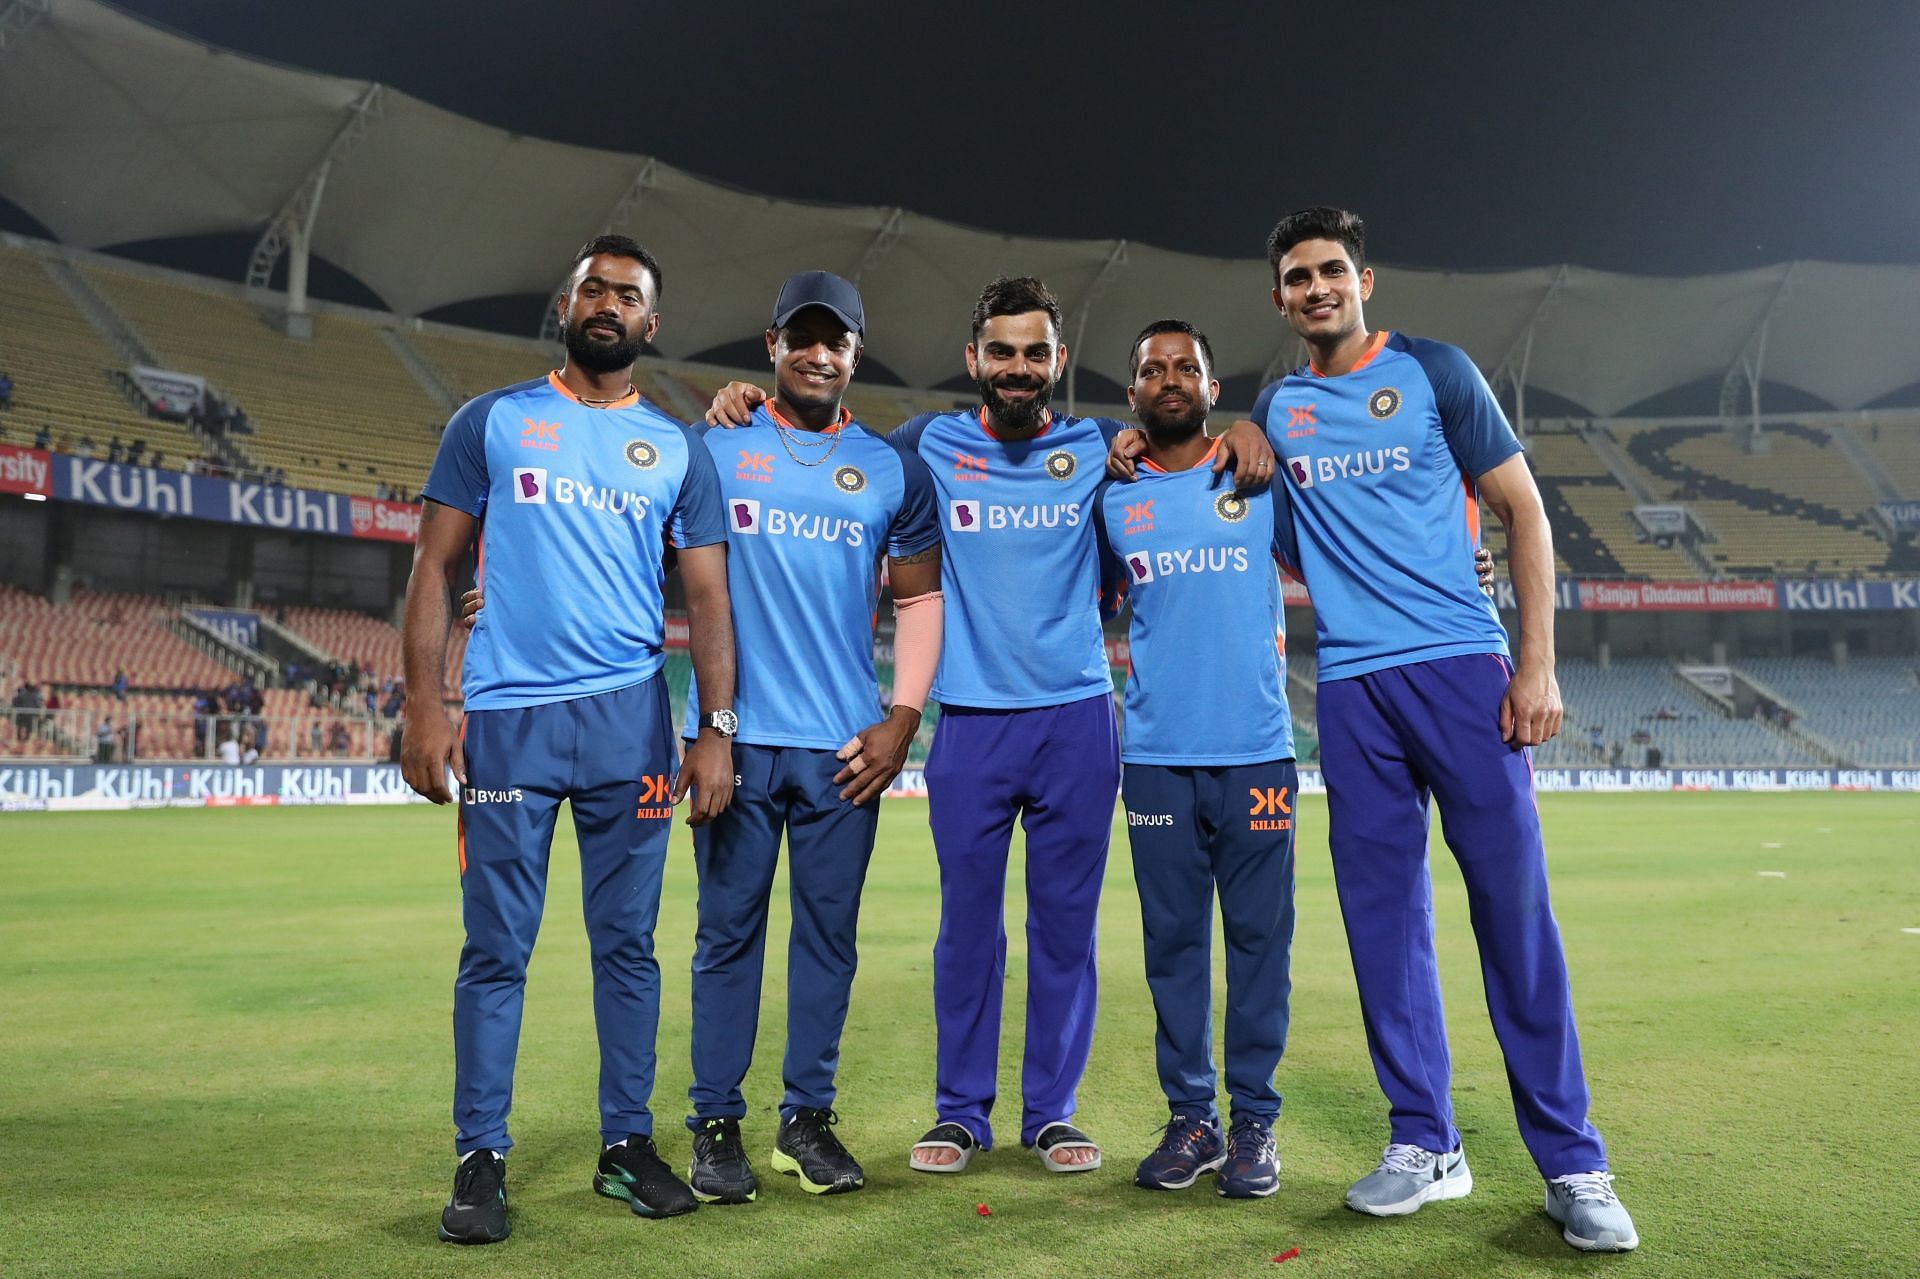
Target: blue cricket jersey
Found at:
x=575, y=504
x=1380, y=467
x=1019, y=566
x=1207, y=682
x=803, y=548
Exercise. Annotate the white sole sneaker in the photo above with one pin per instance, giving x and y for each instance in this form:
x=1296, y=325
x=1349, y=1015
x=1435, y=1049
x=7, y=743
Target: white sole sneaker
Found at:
x=1458, y=1186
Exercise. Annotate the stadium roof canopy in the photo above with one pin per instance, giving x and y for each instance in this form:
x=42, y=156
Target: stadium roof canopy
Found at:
x=117, y=131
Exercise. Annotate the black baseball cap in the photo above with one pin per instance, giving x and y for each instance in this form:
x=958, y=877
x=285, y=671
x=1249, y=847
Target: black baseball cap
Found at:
x=820, y=288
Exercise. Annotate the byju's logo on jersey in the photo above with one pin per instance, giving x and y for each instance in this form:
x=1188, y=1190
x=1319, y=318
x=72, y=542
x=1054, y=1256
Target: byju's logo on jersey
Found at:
x=969, y=516
x=1140, y=567
x=533, y=487
x=475, y=795
x=746, y=515
x=530, y=484
x=743, y=515
x=1324, y=468
x=1061, y=464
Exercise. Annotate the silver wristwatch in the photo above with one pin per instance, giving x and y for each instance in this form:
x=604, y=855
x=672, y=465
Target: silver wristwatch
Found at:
x=725, y=723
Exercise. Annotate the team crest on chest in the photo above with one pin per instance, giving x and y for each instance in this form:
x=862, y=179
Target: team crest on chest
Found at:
x=1230, y=507
x=641, y=454
x=850, y=479
x=1383, y=403
x=1061, y=464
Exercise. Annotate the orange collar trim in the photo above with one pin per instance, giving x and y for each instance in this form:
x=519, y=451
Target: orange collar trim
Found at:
x=628, y=400
x=846, y=419
x=1044, y=426
x=1375, y=344
x=1205, y=459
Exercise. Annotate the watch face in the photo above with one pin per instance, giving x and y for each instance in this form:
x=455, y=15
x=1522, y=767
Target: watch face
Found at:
x=725, y=723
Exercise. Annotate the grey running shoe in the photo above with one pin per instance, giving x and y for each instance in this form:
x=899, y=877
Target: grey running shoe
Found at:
x=1591, y=1216
x=1407, y=1177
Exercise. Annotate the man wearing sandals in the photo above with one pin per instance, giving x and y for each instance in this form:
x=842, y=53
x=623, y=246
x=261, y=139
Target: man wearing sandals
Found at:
x=1026, y=729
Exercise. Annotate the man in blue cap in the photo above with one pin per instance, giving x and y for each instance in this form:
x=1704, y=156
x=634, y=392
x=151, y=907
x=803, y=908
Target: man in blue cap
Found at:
x=811, y=499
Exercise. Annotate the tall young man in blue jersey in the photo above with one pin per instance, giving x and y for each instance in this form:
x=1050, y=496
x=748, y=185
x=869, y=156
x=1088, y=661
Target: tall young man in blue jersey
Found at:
x=1210, y=779
x=572, y=486
x=812, y=500
x=1026, y=729
x=1389, y=443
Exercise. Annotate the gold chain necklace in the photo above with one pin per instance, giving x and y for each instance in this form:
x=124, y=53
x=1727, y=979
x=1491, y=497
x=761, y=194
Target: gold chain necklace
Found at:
x=611, y=399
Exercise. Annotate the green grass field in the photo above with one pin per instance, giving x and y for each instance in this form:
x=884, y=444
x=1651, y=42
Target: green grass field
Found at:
x=225, y=1051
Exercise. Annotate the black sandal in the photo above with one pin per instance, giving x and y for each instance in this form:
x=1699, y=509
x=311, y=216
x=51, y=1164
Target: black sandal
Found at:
x=944, y=1137
x=1060, y=1135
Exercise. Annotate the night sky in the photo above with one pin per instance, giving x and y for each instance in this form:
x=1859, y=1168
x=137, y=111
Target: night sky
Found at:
x=1648, y=138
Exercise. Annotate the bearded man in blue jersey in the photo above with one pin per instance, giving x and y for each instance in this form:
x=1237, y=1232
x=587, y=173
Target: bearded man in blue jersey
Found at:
x=1389, y=443
x=1026, y=730
x=569, y=488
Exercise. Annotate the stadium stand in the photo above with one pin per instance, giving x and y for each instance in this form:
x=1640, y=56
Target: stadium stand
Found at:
x=1867, y=714
x=338, y=411
x=1639, y=704
x=60, y=366
x=1896, y=448
x=347, y=636
x=89, y=640
x=1799, y=506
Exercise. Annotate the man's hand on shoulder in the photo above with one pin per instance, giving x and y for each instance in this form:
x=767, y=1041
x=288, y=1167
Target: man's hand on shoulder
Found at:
x=1127, y=445
x=1245, y=447
x=733, y=404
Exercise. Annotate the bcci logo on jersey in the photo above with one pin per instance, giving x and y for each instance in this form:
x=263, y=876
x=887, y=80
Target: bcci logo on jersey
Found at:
x=1061, y=464
x=849, y=479
x=1230, y=507
x=641, y=454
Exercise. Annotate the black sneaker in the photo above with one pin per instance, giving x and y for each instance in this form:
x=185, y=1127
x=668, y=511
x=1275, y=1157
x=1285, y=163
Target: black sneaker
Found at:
x=807, y=1148
x=720, y=1173
x=1190, y=1148
x=1252, y=1169
x=477, y=1210
x=635, y=1172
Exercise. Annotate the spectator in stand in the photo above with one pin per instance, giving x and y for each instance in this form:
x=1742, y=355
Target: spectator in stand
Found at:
x=1597, y=739
x=6, y=391
x=103, y=737
x=43, y=438
x=249, y=749
x=120, y=685
x=1653, y=757
x=157, y=461
x=372, y=700
x=396, y=700
x=316, y=743
x=338, y=740
x=84, y=449
x=229, y=748
x=26, y=706
x=129, y=739
x=204, y=705
x=116, y=452
x=51, y=700
x=238, y=423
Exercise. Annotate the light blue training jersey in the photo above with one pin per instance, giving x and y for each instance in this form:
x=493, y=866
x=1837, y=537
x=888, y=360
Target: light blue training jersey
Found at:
x=803, y=548
x=1019, y=567
x=1206, y=684
x=1380, y=466
x=575, y=505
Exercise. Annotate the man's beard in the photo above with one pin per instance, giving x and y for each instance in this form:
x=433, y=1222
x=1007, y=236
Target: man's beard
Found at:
x=1016, y=415
x=596, y=353
x=1175, y=426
